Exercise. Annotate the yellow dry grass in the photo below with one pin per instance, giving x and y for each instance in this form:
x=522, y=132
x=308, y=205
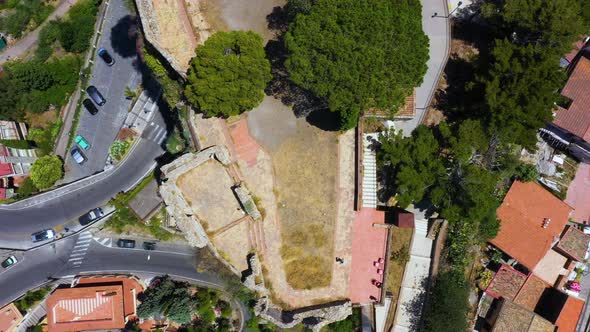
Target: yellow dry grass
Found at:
x=306, y=173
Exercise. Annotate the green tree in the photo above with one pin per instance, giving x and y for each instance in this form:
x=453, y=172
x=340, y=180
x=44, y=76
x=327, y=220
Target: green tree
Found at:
x=413, y=163
x=76, y=31
x=358, y=54
x=521, y=88
x=26, y=188
x=552, y=24
x=228, y=73
x=526, y=172
x=46, y=171
x=447, y=306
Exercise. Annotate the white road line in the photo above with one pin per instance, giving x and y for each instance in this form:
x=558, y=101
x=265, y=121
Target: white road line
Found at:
x=84, y=235
x=75, y=259
x=82, y=246
x=77, y=263
x=80, y=250
x=77, y=254
x=84, y=241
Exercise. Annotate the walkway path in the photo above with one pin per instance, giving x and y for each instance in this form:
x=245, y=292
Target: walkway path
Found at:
x=24, y=45
x=414, y=282
x=438, y=31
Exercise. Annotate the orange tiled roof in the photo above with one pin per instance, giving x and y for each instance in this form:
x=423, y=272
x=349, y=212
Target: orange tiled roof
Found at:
x=574, y=243
x=576, y=119
x=9, y=318
x=570, y=314
x=531, y=292
x=85, y=308
x=522, y=213
x=131, y=288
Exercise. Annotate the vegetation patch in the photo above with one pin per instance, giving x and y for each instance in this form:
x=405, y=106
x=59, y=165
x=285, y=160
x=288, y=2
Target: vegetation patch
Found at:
x=119, y=148
x=25, y=15
x=400, y=239
x=31, y=298
x=46, y=171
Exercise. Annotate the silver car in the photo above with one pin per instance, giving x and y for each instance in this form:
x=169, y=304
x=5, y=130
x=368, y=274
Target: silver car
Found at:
x=77, y=155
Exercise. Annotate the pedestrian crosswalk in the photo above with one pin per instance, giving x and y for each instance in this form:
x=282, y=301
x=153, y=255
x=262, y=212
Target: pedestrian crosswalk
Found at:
x=79, y=251
x=154, y=133
x=106, y=241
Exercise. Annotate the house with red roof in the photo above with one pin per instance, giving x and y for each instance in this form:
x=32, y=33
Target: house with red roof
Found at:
x=96, y=303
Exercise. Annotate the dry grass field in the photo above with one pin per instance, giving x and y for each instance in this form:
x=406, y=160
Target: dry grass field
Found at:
x=306, y=172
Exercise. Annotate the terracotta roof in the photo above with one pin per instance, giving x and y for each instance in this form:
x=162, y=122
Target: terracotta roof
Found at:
x=522, y=215
x=9, y=318
x=404, y=219
x=576, y=119
x=574, y=243
x=85, y=308
x=513, y=317
x=131, y=288
x=530, y=293
x=570, y=314
x=578, y=195
x=506, y=283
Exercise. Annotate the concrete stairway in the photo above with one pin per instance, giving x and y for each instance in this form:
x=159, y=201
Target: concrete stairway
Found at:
x=32, y=317
x=421, y=227
x=369, y=172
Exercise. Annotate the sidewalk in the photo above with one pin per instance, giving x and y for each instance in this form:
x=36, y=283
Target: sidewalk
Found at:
x=439, y=33
x=25, y=44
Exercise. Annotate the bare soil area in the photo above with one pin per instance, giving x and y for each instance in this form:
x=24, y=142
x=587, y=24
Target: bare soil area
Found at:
x=305, y=162
x=240, y=14
x=207, y=189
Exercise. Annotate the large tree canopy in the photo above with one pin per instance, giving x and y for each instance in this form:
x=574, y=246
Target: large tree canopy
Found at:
x=46, y=171
x=358, y=54
x=520, y=90
x=228, y=74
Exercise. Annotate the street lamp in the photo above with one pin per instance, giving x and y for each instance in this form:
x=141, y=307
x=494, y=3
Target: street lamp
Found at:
x=451, y=13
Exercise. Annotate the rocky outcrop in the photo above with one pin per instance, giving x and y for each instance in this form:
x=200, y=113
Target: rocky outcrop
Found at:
x=176, y=206
x=315, y=317
x=247, y=202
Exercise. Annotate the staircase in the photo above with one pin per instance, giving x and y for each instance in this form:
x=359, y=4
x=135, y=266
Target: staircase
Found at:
x=369, y=172
x=32, y=317
x=421, y=227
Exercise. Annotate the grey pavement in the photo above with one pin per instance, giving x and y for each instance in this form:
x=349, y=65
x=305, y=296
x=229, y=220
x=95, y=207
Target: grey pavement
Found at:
x=64, y=205
x=101, y=129
x=84, y=255
x=584, y=295
x=438, y=31
x=24, y=45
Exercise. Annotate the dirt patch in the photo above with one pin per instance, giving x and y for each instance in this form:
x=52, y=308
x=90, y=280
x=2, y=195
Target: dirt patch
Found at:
x=41, y=120
x=400, y=239
x=175, y=34
x=305, y=162
x=234, y=245
x=241, y=15
x=207, y=189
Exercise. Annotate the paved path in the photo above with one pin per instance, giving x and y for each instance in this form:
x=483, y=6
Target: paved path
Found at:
x=438, y=31
x=24, y=45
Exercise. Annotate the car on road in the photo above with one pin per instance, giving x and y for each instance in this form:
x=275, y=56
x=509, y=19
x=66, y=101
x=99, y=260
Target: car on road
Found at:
x=95, y=95
x=10, y=261
x=90, y=216
x=125, y=243
x=82, y=142
x=149, y=245
x=89, y=106
x=44, y=235
x=77, y=155
x=104, y=54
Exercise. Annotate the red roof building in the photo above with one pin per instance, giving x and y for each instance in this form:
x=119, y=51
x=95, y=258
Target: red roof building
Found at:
x=578, y=195
x=9, y=318
x=569, y=315
x=576, y=118
x=94, y=304
x=532, y=220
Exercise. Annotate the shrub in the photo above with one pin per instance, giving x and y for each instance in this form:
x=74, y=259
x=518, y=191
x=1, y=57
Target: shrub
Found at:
x=447, y=307
x=26, y=188
x=46, y=171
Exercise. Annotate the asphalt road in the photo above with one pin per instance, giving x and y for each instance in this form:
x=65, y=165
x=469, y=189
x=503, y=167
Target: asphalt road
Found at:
x=84, y=255
x=18, y=222
x=101, y=129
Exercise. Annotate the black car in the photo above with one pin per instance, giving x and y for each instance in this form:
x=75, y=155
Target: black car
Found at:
x=95, y=95
x=91, y=216
x=125, y=243
x=104, y=54
x=89, y=106
x=149, y=245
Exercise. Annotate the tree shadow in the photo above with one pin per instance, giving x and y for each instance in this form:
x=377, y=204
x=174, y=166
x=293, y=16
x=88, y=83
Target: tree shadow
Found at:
x=415, y=308
x=305, y=103
x=124, y=36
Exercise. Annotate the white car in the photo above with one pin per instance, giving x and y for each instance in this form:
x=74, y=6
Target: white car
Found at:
x=77, y=155
x=44, y=235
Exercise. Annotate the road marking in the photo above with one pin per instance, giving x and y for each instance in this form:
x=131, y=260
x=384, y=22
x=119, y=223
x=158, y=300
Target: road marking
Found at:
x=84, y=236
x=80, y=250
x=77, y=263
x=82, y=246
x=77, y=254
x=75, y=259
x=83, y=241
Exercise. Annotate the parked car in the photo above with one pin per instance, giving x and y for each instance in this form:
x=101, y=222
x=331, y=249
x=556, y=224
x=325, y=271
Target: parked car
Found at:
x=149, y=245
x=10, y=261
x=95, y=95
x=104, y=54
x=89, y=106
x=44, y=235
x=82, y=142
x=125, y=243
x=77, y=155
x=90, y=216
